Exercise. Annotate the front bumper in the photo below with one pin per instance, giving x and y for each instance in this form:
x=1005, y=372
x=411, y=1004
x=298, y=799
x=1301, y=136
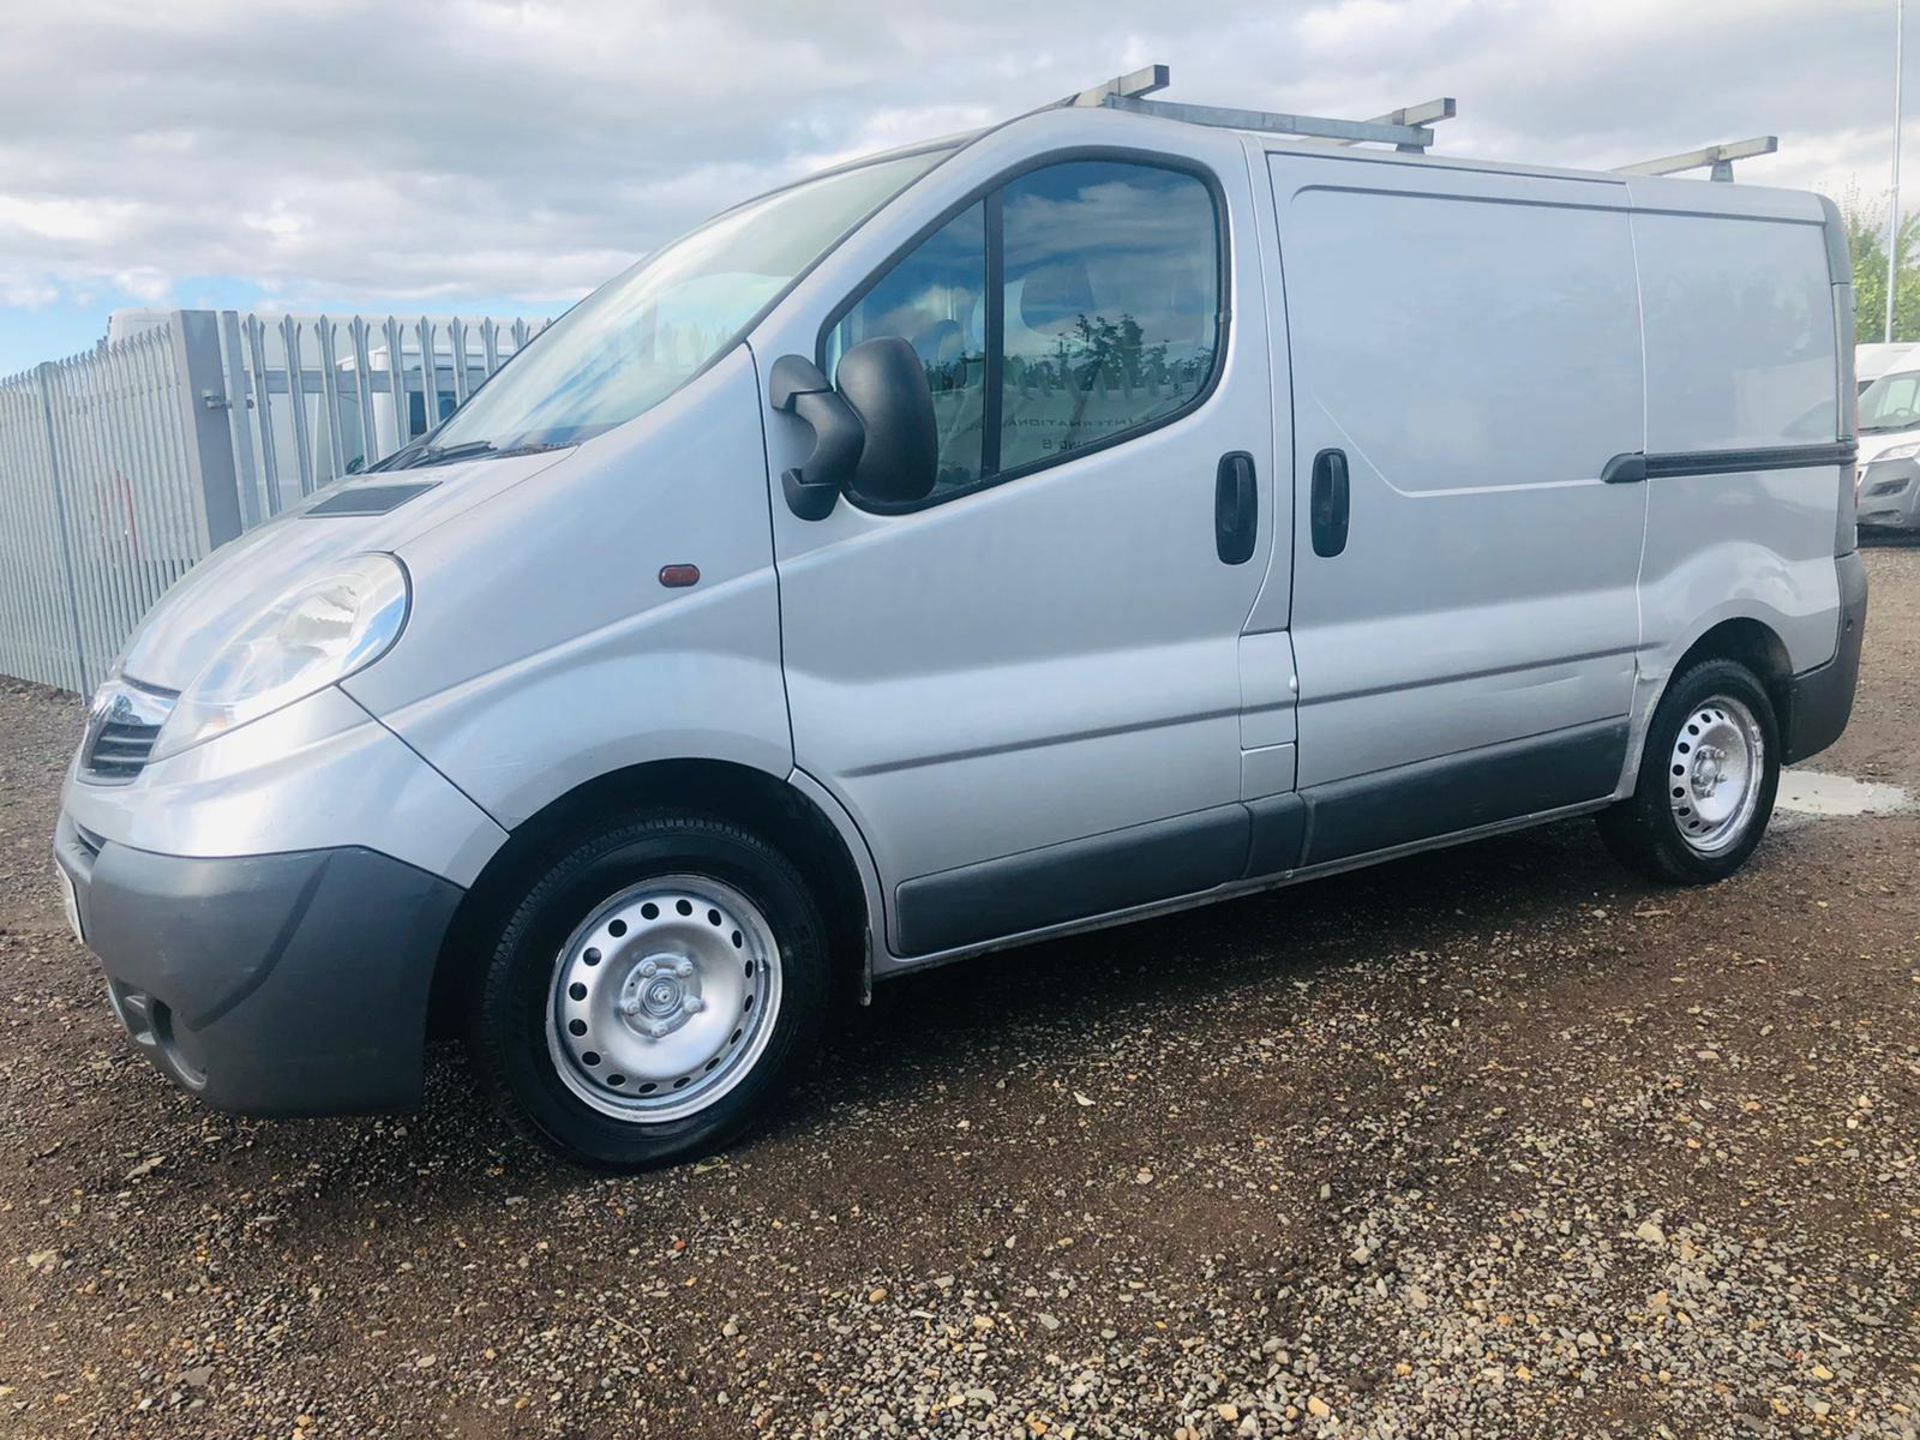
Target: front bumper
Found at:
x=1820, y=700
x=1889, y=495
x=284, y=984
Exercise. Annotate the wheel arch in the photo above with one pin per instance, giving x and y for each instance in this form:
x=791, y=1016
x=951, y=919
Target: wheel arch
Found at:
x=1754, y=644
x=1747, y=639
x=782, y=812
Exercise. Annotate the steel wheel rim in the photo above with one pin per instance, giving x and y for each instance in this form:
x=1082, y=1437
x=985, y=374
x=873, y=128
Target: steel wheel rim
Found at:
x=663, y=999
x=1714, y=774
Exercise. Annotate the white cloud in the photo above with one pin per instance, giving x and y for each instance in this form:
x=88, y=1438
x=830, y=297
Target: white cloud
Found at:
x=25, y=295
x=64, y=222
x=419, y=153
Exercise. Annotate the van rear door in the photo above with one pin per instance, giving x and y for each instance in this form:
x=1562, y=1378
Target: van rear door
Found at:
x=1466, y=361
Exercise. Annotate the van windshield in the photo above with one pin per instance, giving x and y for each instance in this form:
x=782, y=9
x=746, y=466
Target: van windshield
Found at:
x=1891, y=403
x=647, y=332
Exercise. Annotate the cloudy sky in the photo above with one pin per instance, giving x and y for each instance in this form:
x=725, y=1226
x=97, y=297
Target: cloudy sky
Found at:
x=469, y=155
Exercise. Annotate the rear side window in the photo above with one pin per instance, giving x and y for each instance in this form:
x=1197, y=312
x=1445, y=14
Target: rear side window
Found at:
x=1075, y=306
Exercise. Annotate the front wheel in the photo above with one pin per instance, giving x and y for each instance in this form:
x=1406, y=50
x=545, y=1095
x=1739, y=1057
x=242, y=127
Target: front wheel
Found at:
x=1707, y=779
x=652, y=991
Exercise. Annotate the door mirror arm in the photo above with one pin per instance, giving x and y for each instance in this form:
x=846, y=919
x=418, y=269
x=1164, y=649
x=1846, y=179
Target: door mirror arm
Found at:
x=797, y=388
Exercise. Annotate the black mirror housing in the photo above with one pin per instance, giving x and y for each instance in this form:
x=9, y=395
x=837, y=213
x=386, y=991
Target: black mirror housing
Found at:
x=796, y=387
x=885, y=384
x=874, y=433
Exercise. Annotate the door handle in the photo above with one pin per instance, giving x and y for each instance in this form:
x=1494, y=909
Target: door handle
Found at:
x=1236, y=508
x=1328, y=503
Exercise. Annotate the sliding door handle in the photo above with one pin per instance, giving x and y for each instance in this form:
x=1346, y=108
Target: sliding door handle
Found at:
x=1328, y=503
x=1236, y=508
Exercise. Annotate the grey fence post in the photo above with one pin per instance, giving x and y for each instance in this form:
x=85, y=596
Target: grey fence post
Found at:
x=83, y=673
x=203, y=390
x=235, y=389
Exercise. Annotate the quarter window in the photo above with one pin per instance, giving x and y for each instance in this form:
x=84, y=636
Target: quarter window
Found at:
x=935, y=298
x=1101, y=317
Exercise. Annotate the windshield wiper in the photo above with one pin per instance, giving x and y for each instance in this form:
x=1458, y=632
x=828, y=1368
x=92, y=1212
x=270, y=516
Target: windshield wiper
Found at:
x=470, y=450
x=442, y=455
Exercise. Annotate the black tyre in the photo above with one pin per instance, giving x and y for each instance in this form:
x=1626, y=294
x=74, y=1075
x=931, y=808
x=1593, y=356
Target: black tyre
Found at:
x=1707, y=779
x=653, y=991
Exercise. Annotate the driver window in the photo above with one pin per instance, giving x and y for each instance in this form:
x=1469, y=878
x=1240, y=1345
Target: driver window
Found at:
x=1113, y=277
x=1106, y=314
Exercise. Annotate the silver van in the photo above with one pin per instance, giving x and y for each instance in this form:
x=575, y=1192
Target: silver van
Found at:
x=1121, y=508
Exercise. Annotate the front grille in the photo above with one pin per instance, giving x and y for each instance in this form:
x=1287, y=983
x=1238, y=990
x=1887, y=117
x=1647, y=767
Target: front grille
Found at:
x=120, y=751
x=122, y=725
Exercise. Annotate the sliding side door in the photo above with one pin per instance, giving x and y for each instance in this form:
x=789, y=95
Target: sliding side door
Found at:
x=1466, y=361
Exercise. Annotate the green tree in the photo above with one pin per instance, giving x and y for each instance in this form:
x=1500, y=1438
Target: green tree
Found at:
x=1867, y=240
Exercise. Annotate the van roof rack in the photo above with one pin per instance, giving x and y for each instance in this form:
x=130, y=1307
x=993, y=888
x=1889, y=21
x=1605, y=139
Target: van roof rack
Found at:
x=1716, y=158
x=1409, y=128
x=1404, y=129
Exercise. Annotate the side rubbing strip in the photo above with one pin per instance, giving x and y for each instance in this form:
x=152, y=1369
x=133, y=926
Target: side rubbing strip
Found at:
x=1760, y=457
x=1462, y=792
x=1136, y=866
x=1628, y=469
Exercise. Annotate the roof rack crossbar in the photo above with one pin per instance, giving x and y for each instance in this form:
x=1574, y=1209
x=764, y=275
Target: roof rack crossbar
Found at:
x=1405, y=128
x=1143, y=81
x=1427, y=112
x=1718, y=159
x=1406, y=137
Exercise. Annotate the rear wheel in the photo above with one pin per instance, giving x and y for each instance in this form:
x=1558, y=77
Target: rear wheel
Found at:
x=1707, y=779
x=653, y=991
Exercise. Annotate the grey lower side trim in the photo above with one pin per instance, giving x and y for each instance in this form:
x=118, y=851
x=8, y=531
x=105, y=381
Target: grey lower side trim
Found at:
x=1065, y=882
x=1212, y=850
x=290, y=984
x=896, y=967
x=1462, y=792
x=1279, y=833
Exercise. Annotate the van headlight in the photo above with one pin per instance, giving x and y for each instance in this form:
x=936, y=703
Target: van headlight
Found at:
x=1898, y=452
x=320, y=630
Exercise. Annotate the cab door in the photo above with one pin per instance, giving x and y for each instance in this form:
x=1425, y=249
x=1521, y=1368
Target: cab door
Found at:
x=1026, y=689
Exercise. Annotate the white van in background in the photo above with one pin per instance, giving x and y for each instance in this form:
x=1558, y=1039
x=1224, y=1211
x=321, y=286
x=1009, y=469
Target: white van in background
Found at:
x=1887, y=474
x=1114, y=510
x=1872, y=361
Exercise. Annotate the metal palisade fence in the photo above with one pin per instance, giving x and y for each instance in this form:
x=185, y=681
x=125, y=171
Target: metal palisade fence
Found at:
x=122, y=467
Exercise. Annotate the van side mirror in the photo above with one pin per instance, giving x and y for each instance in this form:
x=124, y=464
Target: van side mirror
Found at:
x=796, y=387
x=874, y=433
x=885, y=383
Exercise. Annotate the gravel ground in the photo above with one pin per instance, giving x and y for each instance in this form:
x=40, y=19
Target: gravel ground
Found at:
x=1500, y=1142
